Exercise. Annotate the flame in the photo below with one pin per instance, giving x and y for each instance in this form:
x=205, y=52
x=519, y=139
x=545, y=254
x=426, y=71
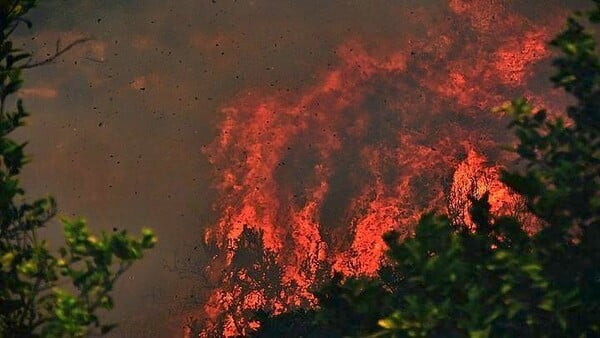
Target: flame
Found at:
x=473, y=178
x=309, y=181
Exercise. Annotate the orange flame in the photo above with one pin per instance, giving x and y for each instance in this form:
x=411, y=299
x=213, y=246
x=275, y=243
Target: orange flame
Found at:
x=310, y=181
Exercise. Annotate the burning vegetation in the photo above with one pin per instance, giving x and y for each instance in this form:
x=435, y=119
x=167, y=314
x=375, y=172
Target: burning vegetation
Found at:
x=310, y=180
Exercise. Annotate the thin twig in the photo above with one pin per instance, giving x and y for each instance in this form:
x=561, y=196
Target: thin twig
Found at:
x=93, y=60
x=57, y=53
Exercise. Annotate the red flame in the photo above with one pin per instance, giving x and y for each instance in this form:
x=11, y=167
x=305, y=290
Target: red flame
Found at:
x=310, y=181
x=472, y=179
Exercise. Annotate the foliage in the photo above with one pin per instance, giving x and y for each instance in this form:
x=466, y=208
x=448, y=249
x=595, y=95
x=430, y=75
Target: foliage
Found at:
x=346, y=307
x=298, y=323
x=44, y=293
x=498, y=281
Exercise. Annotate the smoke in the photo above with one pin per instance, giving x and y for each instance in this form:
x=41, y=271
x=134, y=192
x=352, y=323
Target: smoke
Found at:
x=318, y=124
x=320, y=174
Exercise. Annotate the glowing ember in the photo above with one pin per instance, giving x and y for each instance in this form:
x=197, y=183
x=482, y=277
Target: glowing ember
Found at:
x=309, y=182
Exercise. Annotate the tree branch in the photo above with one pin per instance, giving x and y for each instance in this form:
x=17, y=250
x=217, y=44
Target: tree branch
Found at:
x=58, y=52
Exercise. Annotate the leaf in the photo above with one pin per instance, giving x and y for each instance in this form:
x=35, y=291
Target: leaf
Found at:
x=7, y=260
x=532, y=268
x=387, y=323
x=480, y=333
x=505, y=288
x=547, y=304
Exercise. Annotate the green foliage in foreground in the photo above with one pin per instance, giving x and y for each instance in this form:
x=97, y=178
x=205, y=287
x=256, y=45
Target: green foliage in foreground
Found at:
x=447, y=281
x=46, y=293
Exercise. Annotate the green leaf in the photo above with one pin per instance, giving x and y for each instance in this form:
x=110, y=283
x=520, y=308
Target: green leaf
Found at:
x=480, y=333
x=547, y=304
x=531, y=268
x=387, y=323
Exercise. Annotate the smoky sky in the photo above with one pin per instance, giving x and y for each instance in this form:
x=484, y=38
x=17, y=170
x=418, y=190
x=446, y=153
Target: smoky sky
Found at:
x=118, y=124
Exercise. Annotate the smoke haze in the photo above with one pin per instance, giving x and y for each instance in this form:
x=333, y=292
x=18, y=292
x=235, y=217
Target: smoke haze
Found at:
x=130, y=130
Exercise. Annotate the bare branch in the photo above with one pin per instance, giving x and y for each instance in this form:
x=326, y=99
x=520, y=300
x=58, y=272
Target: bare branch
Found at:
x=93, y=59
x=58, y=52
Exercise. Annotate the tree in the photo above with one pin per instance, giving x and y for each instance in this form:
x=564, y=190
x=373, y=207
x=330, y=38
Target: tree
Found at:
x=499, y=281
x=251, y=281
x=45, y=292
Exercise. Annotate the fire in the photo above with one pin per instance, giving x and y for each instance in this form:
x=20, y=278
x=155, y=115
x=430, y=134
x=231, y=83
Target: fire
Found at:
x=309, y=181
x=473, y=178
